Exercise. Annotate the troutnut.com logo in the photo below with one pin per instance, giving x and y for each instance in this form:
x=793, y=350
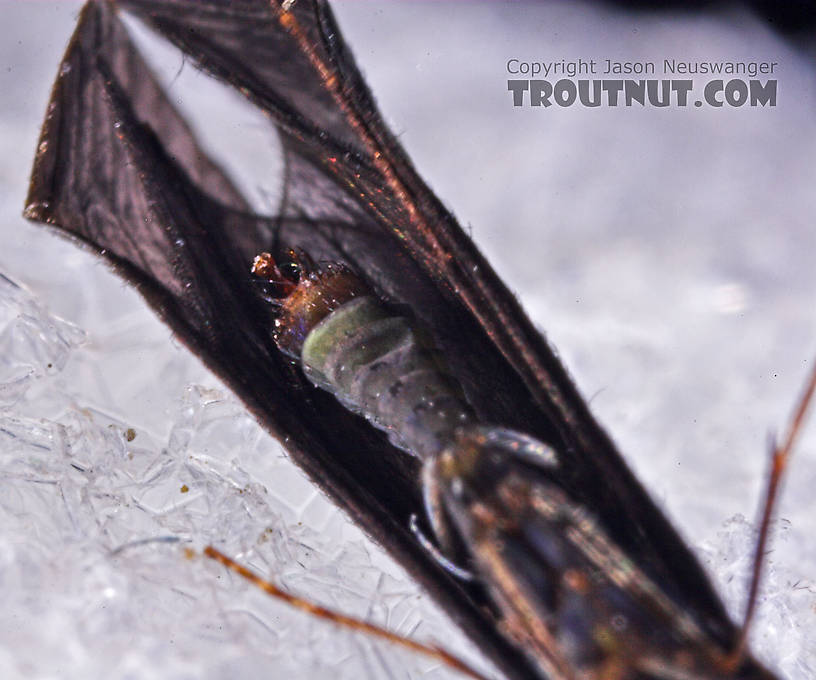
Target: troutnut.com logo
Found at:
x=723, y=83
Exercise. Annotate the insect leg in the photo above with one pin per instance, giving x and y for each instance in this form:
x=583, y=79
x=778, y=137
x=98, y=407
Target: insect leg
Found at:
x=522, y=446
x=438, y=556
x=444, y=552
x=272, y=590
x=780, y=456
x=269, y=296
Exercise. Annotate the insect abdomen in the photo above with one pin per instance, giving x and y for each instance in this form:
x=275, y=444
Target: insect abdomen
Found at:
x=371, y=358
x=374, y=362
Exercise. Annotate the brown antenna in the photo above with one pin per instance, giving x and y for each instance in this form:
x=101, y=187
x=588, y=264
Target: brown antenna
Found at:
x=780, y=456
x=430, y=651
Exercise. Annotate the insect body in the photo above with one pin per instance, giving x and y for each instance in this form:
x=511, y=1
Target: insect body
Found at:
x=566, y=592
x=584, y=572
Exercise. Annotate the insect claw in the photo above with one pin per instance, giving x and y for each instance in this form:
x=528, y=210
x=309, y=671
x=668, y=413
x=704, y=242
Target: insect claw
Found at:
x=437, y=555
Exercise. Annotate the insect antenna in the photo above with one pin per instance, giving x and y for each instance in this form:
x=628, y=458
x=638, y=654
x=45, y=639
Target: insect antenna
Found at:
x=780, y=457
x=272, y=590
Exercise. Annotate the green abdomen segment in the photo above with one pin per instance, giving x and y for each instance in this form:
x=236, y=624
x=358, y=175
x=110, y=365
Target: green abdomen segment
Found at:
x=374, y=362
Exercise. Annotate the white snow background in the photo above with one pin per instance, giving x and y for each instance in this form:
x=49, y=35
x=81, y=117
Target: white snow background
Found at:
x=667, y=253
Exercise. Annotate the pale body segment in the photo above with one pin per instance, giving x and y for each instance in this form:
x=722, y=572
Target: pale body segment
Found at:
x=568, y=595
x=377, y=366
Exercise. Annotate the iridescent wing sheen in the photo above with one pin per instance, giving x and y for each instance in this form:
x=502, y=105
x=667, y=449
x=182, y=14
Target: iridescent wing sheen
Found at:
x=120, y=171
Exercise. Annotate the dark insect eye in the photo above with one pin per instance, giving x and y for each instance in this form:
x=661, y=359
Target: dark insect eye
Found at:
x=291, y=270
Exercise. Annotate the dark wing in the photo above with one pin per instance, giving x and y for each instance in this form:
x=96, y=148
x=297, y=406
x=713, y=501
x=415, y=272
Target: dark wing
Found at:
x=119, y=170
x=334, y=135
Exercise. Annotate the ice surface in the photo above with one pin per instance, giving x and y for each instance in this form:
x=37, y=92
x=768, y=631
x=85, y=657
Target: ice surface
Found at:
x=98, y=507
x=668, y=254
